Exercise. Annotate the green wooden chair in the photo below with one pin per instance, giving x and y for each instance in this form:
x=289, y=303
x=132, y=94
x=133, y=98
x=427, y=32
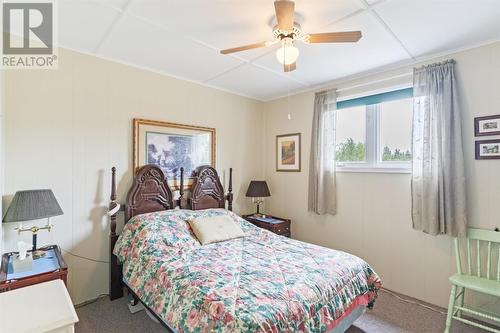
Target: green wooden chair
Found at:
x=480, y=247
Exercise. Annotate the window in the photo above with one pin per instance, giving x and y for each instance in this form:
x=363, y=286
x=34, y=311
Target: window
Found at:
x=395, y=130
x=351, y=135
x=373, y=133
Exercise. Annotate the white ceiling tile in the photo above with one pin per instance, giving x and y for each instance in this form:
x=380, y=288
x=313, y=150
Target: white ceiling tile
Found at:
x=222, y=24
x=116, y=4
x=83, y=24
x=318, y=14
x=256, y=82
x=119, y=4
x=140, y=43
x=430, y=26
x=319, y=63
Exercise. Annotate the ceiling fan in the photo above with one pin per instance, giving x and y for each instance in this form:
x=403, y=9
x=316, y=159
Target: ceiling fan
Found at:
x=287, y=31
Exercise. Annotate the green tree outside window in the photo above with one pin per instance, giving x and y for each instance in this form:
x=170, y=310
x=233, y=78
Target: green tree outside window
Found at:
x=350, y=151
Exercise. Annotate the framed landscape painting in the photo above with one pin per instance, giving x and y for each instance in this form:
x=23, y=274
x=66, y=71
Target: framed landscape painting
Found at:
x=288, y=152
x=172, y=146
x=489, y=125
x=488, y=150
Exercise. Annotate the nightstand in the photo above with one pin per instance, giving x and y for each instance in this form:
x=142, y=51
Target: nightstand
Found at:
x=42, y=307
x=49, y=267
x=278, y=225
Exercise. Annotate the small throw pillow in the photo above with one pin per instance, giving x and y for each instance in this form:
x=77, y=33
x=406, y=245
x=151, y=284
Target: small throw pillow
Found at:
x=213, y=229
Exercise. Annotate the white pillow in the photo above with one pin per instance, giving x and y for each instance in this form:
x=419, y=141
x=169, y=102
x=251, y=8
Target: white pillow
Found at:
x=215, y=229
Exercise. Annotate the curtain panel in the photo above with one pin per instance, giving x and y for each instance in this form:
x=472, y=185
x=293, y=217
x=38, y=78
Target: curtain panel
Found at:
x=322, y=190
x=438, y=171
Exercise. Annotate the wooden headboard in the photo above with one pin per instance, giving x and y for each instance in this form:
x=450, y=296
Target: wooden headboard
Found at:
x=150, y=193
x=207, y=190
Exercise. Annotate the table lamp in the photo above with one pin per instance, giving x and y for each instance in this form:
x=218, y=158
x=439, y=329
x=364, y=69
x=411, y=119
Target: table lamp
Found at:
x=258, y=190
x=33, y=205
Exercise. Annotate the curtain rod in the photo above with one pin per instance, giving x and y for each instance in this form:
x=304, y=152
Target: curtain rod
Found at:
x=448, y=61
x=435, y=65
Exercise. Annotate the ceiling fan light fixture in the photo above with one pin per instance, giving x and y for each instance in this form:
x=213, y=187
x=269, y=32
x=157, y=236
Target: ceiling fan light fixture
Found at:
x=287, y=54
x=286, y=30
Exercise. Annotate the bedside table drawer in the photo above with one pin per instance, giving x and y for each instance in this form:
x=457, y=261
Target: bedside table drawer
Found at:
x=280, y=227
x=266, y=226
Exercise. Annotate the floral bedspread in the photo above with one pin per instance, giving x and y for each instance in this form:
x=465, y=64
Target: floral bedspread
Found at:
x=259, y=283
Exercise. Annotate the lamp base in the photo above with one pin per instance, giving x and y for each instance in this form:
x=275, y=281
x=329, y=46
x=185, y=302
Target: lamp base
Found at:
x=258, y=207
x=38, y=254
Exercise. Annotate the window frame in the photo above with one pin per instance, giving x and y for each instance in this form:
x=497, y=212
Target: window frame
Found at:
x=373, y=162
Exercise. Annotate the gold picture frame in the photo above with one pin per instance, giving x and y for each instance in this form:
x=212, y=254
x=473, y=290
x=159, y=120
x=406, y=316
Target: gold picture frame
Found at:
x=288, y=152
x=171, y=146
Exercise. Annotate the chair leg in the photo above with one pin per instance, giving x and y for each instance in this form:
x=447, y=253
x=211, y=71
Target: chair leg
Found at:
x=462, y=296
x=451, y=306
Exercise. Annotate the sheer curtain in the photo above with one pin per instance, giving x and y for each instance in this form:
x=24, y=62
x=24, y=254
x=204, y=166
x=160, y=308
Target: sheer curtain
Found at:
x=322, y=192
x=438, y=173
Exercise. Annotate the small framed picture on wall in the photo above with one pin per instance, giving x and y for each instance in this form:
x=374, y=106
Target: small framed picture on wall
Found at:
x=288, y=152
x=489, y=125
x=488, y=149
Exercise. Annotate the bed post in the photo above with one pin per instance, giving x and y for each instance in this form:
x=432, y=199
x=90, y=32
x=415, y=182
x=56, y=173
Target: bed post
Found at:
x=229, y=195
x=181, y=189
x=115, y=285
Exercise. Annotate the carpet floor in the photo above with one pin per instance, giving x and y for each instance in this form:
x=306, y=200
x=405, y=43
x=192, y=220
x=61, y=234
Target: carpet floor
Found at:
x=390, y=315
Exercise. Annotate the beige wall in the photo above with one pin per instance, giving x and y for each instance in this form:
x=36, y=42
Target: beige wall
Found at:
x=66, y=128
x=373, y=219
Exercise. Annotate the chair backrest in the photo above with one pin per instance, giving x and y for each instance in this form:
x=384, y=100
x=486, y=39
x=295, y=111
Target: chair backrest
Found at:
x=482, y=252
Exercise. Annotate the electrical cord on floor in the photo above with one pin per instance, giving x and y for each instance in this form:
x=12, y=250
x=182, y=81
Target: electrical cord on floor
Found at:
x=86, y=258
x=413, y=302
x=91, y=301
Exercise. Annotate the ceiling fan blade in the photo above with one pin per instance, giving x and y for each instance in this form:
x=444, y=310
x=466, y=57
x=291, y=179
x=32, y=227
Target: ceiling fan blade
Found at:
x=245, y=47
x=291, y=67
x=335, y=37
x=284, y=14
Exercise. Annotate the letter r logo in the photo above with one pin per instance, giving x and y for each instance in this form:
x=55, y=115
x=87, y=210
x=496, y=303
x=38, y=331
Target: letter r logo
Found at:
x=33, y=22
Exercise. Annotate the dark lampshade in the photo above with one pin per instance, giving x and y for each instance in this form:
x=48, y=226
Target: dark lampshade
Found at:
x=32, y=205
x=258, y=189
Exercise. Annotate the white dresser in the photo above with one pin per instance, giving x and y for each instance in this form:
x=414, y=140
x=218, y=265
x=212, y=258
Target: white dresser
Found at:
x=44, y=307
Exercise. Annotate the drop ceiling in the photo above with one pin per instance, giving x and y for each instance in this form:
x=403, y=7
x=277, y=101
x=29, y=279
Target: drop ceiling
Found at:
x=182, y=38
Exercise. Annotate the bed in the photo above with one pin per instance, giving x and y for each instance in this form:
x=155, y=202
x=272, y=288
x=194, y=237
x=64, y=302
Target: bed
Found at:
x=259, y=283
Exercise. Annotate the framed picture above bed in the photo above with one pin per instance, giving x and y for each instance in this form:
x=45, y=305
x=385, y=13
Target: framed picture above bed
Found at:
x=488, y=125
x=172, y=146
x=288, y=152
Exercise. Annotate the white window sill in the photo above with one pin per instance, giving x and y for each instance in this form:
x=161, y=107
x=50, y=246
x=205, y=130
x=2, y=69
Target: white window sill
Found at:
x=368, y=169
